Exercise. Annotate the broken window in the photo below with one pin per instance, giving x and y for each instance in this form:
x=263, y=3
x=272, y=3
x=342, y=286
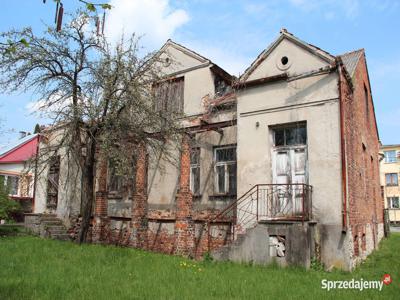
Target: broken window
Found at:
x=291, y=135
x=277, y=245
x=220, y=85
x=169, y=95
x=52, y=182
x=195, y=171
x=225, y=170
x=115, y=179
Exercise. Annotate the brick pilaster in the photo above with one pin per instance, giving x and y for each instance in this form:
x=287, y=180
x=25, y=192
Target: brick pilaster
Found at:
x=184, y=226
x=139, y=224
x=100, y=210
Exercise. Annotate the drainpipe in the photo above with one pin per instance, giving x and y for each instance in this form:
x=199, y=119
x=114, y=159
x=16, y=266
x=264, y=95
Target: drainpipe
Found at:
x=343, y=152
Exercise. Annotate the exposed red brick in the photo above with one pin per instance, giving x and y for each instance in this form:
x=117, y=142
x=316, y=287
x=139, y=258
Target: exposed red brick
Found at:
x=184, y=226
x=365, y=203
x=139, y=223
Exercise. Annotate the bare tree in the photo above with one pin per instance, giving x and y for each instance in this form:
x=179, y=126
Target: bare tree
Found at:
x=101, y=96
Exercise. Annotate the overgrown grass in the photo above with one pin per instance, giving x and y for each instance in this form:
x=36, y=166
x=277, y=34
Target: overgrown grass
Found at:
x=33, y=268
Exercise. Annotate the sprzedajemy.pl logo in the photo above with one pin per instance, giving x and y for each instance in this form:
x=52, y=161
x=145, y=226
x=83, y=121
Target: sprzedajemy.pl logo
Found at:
x=356, y=284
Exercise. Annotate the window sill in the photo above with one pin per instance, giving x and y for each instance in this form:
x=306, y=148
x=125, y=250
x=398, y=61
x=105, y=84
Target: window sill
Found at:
x=222, y=197
x=114, y=195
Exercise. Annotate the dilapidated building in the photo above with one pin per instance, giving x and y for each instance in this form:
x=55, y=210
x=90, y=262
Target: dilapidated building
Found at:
x=281, y=164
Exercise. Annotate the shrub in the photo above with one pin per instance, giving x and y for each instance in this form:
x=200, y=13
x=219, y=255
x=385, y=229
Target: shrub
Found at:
x=7, y=205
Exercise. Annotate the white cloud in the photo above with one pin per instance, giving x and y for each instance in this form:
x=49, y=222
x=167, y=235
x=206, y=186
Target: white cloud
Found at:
x=155, y=19
x=224, y=56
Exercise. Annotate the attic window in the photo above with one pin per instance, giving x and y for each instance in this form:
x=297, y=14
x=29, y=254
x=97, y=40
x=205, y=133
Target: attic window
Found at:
x=167, y=62
x=282, y=62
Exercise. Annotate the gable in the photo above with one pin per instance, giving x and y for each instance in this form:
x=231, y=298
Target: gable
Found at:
x=176, y=58
x=285, y=56
x=21, y=152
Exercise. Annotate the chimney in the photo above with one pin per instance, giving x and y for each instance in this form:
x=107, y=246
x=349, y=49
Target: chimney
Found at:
x=22, y=134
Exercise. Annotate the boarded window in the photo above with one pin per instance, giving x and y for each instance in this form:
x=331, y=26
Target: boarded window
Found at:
x=52, y=182
x=169, y=96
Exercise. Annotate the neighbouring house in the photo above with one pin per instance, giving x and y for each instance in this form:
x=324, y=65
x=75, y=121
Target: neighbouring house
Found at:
x=282, y=164
x=390, y=170
x=17, y=167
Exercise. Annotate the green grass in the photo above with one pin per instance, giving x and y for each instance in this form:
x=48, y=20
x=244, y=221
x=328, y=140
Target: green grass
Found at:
x=33, y=268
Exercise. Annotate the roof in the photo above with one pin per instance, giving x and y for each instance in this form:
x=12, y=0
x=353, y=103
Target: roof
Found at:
x=284, y=34
x=350, y=60
x=185, y=50
x=199, y=57
x=20, y=150
x=390, y=146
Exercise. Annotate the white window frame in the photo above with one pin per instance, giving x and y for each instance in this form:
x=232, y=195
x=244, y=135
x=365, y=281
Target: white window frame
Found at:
x=226, y=173
x=7, y=178
x=194, y=166
x=391, y=159
x=390, y=202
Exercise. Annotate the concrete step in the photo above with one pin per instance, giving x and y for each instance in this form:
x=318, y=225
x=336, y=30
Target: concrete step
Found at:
x=52, y=223
x=61, y=236
x=48, y=217
x=56, y=227
x=57, y=231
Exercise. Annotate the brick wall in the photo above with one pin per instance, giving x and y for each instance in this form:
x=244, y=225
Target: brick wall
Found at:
x=139, y=224
x=100, y=219
x=182, y=231
x=365, y=204
x=184, y=226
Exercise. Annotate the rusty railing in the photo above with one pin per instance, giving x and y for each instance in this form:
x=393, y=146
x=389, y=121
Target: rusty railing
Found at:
x=264, y=202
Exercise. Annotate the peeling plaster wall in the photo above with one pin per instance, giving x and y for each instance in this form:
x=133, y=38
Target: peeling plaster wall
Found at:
x=198, y=83
x=163, y=177
x=313, y=100
x=69, y=185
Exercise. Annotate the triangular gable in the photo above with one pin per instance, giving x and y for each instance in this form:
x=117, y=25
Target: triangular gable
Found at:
x=183, y=49
x=321, y=54
x=177, y=58
x=23, y=150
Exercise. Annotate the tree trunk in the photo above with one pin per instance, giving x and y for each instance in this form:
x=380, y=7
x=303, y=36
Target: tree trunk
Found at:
x=88, y=187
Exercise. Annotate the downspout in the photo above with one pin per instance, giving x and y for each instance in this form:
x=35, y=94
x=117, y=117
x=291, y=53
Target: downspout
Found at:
x=343, y=152
x=36, y=166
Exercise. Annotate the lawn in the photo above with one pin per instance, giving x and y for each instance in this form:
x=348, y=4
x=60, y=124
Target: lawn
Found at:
x=34, y=268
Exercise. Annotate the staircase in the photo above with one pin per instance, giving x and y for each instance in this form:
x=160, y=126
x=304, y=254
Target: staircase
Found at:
x=52, y=227
x=250, y=246
x=264, y=210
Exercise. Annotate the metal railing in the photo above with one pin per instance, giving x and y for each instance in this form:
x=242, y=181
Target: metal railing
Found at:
x=265, y=202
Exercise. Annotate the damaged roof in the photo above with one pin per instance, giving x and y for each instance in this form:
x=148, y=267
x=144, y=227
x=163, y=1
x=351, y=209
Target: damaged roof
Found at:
x=350, y=60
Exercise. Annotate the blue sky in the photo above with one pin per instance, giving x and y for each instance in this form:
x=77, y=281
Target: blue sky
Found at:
x=232, y=33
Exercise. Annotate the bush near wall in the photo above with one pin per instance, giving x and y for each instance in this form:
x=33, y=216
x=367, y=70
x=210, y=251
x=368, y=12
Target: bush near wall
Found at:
x=8, y=207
